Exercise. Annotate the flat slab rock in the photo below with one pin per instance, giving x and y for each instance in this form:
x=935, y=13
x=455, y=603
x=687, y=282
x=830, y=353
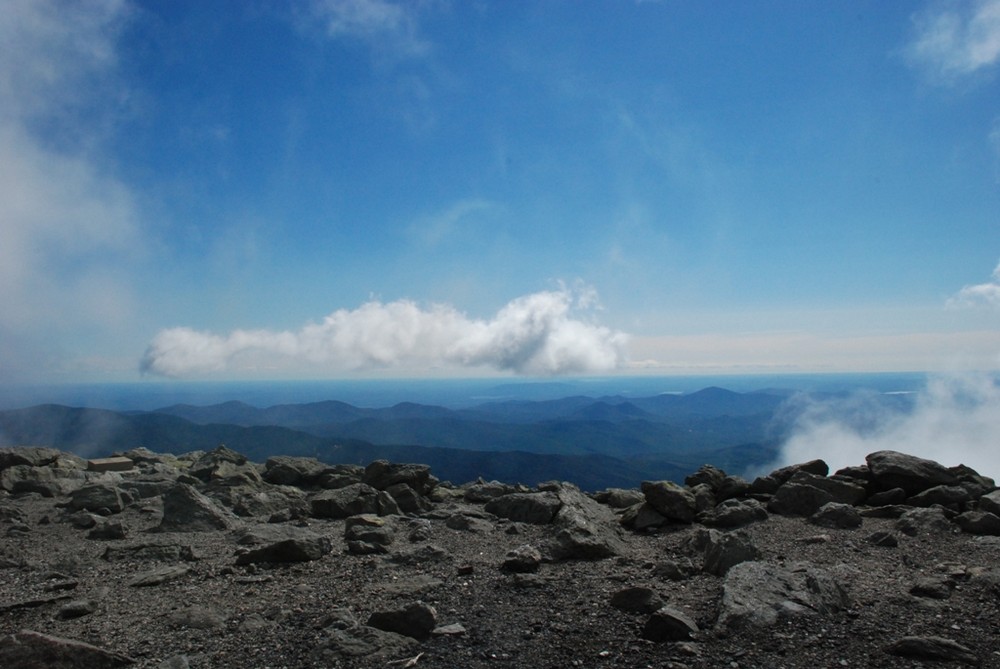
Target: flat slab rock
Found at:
x=34, y=650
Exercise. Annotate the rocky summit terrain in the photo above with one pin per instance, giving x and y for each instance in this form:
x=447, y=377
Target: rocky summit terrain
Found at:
x=209, y=560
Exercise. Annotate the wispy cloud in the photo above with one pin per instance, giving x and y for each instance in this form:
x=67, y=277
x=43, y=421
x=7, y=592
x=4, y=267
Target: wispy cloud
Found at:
x=443, y=225
x=65, y=223
x=981, y=294
x=384, y=25
x=954, y=40
x=539, y=333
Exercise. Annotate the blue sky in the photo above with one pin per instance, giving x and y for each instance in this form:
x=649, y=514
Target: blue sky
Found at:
x=373, y=188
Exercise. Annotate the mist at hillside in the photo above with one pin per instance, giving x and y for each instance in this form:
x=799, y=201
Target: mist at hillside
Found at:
x=955, y=419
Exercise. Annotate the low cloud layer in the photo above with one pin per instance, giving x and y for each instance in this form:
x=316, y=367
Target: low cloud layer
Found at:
x=955, y=420
x=538, y=334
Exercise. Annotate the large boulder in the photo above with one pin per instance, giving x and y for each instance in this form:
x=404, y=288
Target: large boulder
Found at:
x=353, y=500
x=381, y=474
x=804, y=493
x=760, y=594
x=537, y=508
x=670, y=500
x=891, y=469
x=97, y=496
x=294, y=471
x=29, y=650
x=586, y=529
x=187, y=510
x=225, y=466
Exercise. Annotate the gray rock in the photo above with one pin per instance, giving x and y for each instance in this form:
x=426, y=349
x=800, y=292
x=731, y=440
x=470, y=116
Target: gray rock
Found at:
x=620, y=498
x=815, y=467
x=522, y=560
x=187, y=510
x=887, y=497
x=732, y=487
x=33, y=650
x=381, y=474
x=361, y=641
x=737, y=513
x=196, y=617
x=30, y=456
x=110, y=530
x=97, y=496
x=709, y=475
x=586, y=530
x=932, y=587
x=408, y=499
x=353, y=500
x=724, y=550
x=933, y=648
x=924, y=521
x=294, y=471
x=670, y=500
x=152, y=551
x=225, y=465
x=537, y=508
x=945, y=495
x=47, y=481
x=979, y=522
x=891, y=469
x=160, y=575
x=637, y=600
x=883, y=538
x=836, y=516
x=482, y=491
x=759, y=594
x=416, y=620
x=668, y=624
x=990, y=502
x=676, y=570
x=299, y=549
x=368, y=534
x=77, y=608
x=464, y=522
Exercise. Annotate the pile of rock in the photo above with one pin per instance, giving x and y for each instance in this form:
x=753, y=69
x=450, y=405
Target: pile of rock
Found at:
x=282, y=512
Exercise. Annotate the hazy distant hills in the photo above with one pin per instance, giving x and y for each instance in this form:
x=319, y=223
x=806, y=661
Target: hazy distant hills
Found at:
x=594, y=442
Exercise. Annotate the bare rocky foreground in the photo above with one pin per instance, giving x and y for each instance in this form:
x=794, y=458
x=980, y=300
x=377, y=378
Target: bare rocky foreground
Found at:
x=207, y=560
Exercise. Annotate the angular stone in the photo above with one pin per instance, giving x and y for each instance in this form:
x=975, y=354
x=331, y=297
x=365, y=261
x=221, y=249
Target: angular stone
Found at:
x=296, y=471
x=620, y=498
x=361, y=641
x=710, y=475
x=160, y=576
x=637, y=600
x=352, y=500
x=945, y=495
x=670, y=500
x=724, y=550
x=933, y=648
x=836, y=516
x=381, y=474
x=815, y=467
x=537, y=508
x=587, y=530
x=522, y=560
x=668, y=624
x=979, y=522
x=77, y=608
x=187, y=510
x=416, y=620
x=31, y=650
x=737, y=513
x=759, y=594
x=891, y=469
x=924, y=521
x=990, y=502
x=97, y=496
x=302, y=549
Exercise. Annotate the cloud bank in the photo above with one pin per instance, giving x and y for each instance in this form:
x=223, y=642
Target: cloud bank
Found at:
x=534, y=334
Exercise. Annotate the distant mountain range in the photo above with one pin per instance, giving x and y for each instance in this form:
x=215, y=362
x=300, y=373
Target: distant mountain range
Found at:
x=594, y=442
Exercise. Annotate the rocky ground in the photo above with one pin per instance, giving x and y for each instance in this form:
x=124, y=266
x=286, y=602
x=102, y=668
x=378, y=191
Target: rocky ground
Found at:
x=207, y=560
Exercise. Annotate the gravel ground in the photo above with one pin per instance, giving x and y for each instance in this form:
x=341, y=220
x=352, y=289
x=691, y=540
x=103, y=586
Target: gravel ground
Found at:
x=222, y=615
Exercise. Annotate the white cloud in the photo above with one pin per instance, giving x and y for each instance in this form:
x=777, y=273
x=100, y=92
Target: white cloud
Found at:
x=956, y=420
x=982, y=294
x=533, y=334
x=65, y=224
x=954, y=40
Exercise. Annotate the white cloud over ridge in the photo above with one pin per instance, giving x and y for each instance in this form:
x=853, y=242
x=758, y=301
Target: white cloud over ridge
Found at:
x=534, y=334
x=956, y=39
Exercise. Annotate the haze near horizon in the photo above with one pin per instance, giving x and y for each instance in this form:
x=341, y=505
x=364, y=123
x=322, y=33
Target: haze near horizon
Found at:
x=367, y=188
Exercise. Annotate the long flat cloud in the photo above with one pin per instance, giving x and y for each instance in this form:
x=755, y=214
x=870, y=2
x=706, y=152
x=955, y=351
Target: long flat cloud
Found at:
x=534, y=334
